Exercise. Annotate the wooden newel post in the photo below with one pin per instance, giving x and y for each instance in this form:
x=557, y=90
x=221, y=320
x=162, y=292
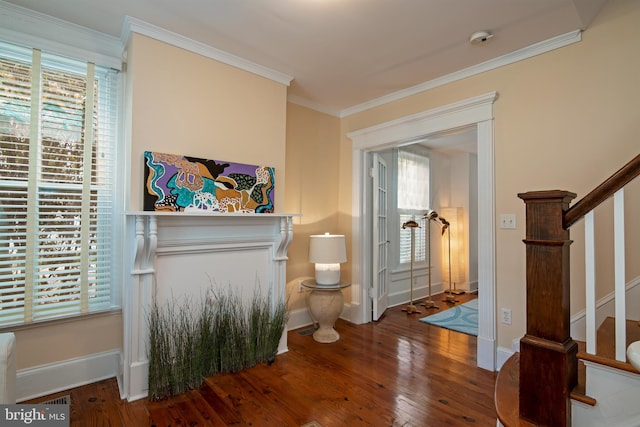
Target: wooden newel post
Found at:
x=548, y=363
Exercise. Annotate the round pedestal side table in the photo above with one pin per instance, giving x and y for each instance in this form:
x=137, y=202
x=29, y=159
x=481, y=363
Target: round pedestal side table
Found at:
x=325, y=303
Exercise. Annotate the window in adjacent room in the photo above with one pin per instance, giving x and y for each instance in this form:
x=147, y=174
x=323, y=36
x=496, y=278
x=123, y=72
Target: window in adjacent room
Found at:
x=413, y=201
x=57, y=148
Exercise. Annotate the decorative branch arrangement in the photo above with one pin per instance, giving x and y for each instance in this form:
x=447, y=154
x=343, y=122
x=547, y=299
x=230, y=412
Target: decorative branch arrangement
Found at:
x=188, y=342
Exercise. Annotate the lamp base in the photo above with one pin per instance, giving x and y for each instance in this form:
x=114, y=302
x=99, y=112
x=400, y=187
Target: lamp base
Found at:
x=450, y=298
x=411, y=309
x=429, y=304
x=327, y=274
x=325, y=305
x=457, y=292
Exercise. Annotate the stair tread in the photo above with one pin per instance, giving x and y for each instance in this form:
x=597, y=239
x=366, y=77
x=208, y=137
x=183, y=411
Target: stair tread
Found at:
x=607, y=333
x=508, y=394
x=579, y=392
x=605, y=355
x=605, y=348
x=607, y=361
x=508, y=380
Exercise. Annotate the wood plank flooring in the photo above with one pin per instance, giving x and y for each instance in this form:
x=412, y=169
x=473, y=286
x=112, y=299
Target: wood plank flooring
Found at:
x=394, y=372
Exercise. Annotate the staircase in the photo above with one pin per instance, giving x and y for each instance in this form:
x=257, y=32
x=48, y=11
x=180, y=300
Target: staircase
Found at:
x=613, y=386
x=555, y=380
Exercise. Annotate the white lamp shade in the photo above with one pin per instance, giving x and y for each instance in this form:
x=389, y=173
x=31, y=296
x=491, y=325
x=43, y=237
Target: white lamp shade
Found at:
x=327, y=251
x=453, y=247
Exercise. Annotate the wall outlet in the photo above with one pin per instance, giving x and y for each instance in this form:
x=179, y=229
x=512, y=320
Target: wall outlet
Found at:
x=505, y=316
x=508, y=221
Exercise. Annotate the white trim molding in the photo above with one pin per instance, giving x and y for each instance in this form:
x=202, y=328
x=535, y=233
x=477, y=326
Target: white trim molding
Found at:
x=134, y=25
x=33, y=29
x=54, y=377
x=477, y=111
x=492, y=64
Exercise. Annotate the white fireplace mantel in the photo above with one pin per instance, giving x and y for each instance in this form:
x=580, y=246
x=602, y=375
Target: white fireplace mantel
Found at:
x=174, y=255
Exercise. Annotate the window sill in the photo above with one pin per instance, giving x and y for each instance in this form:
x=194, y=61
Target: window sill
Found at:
x=405, y=268
x=60, y=320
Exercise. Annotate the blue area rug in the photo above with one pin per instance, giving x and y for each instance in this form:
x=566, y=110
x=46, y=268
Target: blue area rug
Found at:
x=461, y=318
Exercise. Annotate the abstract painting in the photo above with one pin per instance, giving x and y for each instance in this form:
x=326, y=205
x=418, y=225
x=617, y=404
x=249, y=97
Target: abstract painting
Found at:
x=176, y=183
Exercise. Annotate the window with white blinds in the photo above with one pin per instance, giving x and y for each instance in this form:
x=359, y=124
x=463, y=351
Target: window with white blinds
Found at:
x=413, y=202
x=57, y=148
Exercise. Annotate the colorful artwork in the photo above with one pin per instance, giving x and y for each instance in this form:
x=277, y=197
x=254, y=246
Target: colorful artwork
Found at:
x=175, y=183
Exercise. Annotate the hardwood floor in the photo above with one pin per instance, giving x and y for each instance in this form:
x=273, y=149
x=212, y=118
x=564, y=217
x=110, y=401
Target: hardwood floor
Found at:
x=395, y=372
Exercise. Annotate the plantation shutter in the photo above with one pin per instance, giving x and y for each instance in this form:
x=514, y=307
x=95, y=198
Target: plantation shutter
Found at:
x=413, y=202
x=57, y=139
x=405, y=239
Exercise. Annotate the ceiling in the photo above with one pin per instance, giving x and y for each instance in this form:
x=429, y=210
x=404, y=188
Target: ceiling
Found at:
x=343, y=53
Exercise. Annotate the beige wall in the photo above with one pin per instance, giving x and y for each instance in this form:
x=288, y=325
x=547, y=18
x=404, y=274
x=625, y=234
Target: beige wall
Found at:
x=566, y=119
x=182, y=103
x=312, y=188
x=63, y=340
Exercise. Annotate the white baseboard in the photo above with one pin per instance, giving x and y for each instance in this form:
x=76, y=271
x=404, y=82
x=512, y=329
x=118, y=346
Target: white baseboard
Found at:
x=301, y=318
x=502, y=355
x=54, y=377
x=351, y=313
x=138, y=380
x=486, y=353
x=472, y=286
x=404, y=296
x=298, y=319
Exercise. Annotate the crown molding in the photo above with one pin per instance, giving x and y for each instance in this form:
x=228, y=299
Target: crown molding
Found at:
x=134, y=25
x=294, y=99
x=510, y=58
x=23, y=26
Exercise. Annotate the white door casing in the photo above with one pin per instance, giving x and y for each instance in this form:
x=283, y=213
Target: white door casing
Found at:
x=476, y=111
x=380, y=231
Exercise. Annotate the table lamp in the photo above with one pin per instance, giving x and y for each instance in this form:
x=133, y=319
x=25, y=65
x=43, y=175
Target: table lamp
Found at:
x=327, y=251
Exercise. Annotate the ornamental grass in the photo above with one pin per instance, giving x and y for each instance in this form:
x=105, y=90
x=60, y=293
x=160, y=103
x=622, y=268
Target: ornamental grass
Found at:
x=190, y=340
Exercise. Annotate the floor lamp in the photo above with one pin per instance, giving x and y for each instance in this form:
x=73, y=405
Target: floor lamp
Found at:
x=411, y=308
x=429, y=216
x=446, y=227
x=455, y=247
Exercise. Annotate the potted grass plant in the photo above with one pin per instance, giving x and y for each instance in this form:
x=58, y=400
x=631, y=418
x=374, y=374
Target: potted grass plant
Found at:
x=189, y=341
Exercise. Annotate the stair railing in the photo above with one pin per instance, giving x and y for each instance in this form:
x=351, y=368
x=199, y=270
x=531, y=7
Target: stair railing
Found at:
x=612, y=187
x=548, y=354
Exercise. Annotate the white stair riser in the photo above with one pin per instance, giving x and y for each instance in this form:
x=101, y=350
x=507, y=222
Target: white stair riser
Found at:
x=617, y=394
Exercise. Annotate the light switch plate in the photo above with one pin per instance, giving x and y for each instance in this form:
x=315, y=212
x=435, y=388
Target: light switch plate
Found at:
x=508, y=221
x=505, y=316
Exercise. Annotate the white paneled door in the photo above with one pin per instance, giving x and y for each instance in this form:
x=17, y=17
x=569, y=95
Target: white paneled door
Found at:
x=381, y=239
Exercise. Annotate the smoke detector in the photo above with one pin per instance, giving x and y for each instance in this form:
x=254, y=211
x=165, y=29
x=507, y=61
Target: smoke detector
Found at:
x=480, y=37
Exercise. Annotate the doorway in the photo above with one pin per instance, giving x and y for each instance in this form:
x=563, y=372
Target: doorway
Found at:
x=439, y=174
x=476, y=112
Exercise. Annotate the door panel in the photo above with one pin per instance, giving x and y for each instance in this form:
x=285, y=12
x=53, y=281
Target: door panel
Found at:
x=380, y=238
